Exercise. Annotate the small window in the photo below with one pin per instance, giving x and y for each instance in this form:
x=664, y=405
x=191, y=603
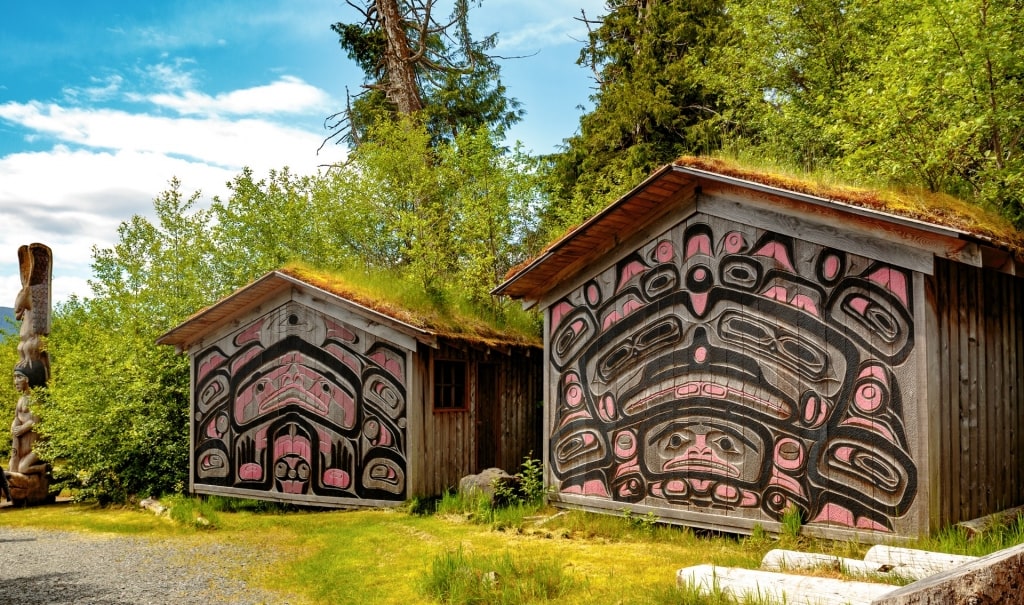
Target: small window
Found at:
x=449, y=385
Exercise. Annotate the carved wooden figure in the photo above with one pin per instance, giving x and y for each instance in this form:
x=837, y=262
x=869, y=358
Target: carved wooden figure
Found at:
x=28, y=476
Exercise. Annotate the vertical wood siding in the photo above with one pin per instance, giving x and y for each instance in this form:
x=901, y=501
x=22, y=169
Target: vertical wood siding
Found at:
x=450, y=438
x=981, y=406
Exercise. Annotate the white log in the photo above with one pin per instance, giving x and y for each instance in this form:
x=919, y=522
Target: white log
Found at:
x=915, y=564
x=772, y=587
x=786, y=560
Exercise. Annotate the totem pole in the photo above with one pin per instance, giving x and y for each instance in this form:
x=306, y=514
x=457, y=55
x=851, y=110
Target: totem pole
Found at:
x=27, y=475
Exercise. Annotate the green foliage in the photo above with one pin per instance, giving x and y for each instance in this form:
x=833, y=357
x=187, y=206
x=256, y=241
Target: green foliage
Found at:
x=792, y=522
x=462, y=578
x=652, y=102
x=457, y=83
x=192, y=512
x=115, y=414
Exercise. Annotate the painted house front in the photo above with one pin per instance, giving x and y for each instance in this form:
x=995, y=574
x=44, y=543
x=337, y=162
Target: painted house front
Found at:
x=300, y=394
x=718, y=350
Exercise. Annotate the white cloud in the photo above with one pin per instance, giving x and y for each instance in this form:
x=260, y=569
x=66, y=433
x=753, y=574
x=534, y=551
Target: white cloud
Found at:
x=227, y=143
x=108, y=164
x=287, y=95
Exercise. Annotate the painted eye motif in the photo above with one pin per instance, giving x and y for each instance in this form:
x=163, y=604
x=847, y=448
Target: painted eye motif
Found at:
x=677, y=441
x=281, y=469
x=726, y=445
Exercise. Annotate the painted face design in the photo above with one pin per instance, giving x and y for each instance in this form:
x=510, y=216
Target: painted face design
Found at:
x=754, y=371
x=301, y=405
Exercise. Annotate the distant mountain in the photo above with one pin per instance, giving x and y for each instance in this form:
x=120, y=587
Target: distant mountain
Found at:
x=6, y=318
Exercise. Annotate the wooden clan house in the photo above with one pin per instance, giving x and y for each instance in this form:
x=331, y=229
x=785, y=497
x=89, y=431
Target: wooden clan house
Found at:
x=723, y=346
x=304, y=393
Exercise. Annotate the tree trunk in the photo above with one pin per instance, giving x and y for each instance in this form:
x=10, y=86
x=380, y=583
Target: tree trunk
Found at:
x=401, y=86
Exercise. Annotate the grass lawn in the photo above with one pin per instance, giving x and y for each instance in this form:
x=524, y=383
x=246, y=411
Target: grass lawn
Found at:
x=390, y=556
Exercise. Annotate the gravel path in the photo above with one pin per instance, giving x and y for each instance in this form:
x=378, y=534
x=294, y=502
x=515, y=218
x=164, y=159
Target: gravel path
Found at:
x=41, y=567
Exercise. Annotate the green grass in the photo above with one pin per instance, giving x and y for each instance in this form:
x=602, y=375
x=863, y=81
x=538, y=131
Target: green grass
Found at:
x=537, y=555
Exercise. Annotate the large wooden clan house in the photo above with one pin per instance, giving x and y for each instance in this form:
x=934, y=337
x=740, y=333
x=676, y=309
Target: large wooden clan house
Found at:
x=723, y=346
x=303, y=392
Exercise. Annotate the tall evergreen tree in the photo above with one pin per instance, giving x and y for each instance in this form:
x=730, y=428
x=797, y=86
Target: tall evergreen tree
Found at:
x=414, y=63
x=652, y=103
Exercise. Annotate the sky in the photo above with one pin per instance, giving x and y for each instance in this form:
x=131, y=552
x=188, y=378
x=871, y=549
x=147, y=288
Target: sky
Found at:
x=102, y=103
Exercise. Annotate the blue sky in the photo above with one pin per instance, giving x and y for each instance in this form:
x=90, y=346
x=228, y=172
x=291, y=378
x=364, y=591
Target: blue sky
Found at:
x=103, y=102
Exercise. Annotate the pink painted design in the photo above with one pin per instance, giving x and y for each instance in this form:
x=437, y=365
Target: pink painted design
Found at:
x=337, y=478
x=630, y=271
x=611, y=320
x=582, y=414
x=701, y=485
x=391, y=362
x=860, y=304
x=655, y=489
x=250, y=334
x=210, y=364
x=814, y=411
x=593, y=295
x=894, y=281
x=343, y=356
x=778, y=252
x=665, y=251
x=734, y=242
x=698, y=244
x=789, y=454
x=844, y=454
x=324, y=440
x=677, y=486
x=290, y=486
x=595, y=487
x=727, y=492
x=881, y=429
x=625, y=444
x=211, y=429
x=875, y=371
x=574, y=395
x=700, y=354
x=777, y=293
x=250, y=471
x=558, y=312
x=336, y=330
x=261, y=439
x=865, y=523
x=244, y=358
x=700, y=303
x=627, y=467
x=606, y=410
x=835, y=514
x=805, y=303
x=869, y=397
x=289, y=444
x=700, y=274
x=750, y=499
x=785, y=481
x=831, y=267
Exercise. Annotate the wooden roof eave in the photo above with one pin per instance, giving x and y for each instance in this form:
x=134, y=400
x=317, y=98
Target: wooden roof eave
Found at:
x=532, y=281
x=271, y=284
x=657, y=195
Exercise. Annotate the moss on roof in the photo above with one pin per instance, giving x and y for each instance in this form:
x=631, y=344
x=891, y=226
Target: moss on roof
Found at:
x=452, y=317
x=936, y=208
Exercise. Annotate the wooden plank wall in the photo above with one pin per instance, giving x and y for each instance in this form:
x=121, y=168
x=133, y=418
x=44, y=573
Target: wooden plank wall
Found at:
x=449, y=438
x=981, y=368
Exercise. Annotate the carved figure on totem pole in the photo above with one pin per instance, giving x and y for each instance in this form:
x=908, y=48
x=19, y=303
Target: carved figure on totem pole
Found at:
x=27, y=476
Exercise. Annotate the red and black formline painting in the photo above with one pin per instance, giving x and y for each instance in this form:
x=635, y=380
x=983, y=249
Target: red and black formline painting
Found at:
x=732, y=370
x=298, y=404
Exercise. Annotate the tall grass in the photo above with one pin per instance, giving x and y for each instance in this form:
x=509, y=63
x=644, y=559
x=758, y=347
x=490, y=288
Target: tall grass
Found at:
x=460, y=578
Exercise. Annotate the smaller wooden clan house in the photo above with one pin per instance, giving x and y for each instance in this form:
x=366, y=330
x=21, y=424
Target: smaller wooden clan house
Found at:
x=723, y=346
x=302, y=392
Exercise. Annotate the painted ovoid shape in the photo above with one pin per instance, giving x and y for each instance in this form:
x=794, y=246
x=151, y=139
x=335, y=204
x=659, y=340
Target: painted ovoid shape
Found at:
x=724, y=369
x=301, y=404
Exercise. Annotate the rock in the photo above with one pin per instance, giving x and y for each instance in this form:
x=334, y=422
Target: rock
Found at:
x=483, y=483
x=153, y=505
